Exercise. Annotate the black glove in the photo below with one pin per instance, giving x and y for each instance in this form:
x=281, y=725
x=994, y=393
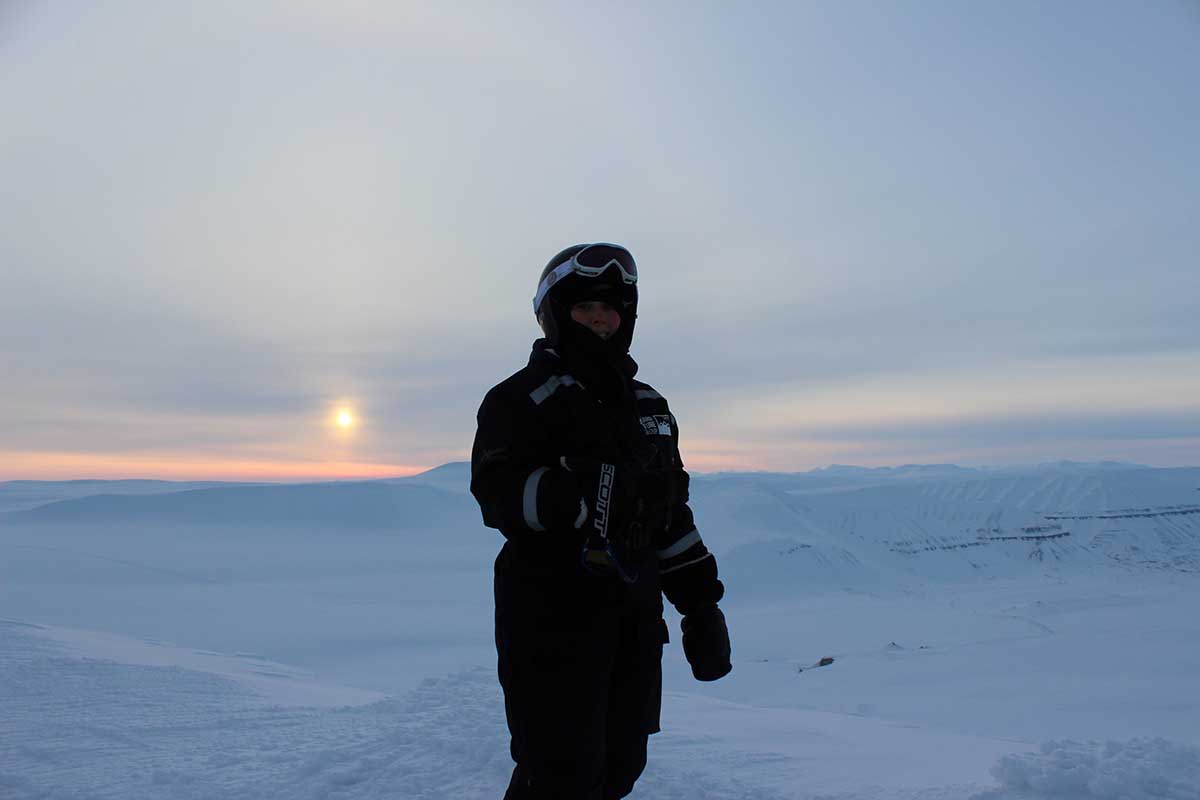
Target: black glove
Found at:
x=650, y=497
x=706, y=643
x=638, y=501
x=560, y=501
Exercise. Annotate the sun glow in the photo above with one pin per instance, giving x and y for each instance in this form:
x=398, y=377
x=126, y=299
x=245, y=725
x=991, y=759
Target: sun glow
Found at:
x=344, y=419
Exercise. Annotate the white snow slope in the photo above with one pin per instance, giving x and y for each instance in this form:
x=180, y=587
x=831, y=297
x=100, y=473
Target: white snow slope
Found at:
x=1019, y=634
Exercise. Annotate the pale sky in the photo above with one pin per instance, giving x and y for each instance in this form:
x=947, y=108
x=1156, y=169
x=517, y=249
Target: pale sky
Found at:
x=868, y=232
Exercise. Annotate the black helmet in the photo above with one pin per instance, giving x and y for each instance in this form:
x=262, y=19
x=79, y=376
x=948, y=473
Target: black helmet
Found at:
x=587, y=272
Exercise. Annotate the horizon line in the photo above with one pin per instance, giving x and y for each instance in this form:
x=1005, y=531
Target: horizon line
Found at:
x=410, y=471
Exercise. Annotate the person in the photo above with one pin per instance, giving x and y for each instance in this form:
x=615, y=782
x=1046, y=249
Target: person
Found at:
x=577, y=465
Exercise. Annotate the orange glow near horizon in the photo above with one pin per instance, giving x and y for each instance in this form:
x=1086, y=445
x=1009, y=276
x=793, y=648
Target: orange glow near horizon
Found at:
x=80, y=466
x=701, y=455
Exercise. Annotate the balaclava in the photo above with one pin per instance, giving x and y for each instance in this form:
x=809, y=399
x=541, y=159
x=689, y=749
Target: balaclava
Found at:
x=601, y=364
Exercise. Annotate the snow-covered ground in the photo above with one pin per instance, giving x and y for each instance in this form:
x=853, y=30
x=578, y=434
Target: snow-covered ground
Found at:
x=1020, y=634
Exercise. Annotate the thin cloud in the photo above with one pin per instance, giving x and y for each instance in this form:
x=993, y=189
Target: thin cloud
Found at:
x=859, y=226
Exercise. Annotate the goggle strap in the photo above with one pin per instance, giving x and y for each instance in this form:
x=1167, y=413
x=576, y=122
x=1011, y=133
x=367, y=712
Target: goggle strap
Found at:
x=560, y=272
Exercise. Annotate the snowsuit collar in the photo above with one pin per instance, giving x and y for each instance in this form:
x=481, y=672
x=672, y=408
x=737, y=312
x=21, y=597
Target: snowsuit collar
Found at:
x=605, y=373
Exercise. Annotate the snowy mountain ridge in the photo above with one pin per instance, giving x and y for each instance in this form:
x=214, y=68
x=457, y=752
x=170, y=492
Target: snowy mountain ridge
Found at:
x=839, y=525
x=979, y=524
x=23, y=495
x=363, y=504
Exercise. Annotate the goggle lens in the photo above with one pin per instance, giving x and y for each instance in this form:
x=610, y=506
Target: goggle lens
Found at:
x=599, y=257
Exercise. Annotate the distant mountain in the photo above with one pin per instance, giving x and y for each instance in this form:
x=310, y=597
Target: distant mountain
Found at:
x=850, y=469
x=326, y=505
x=18, y=495
x=454, y=476
x=1075, y=466
x=851, y=527
x=788, y=531
x=903, y=471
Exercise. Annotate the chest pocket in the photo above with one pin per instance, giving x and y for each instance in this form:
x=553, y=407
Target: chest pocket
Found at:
x=657, y=449
x=581, y=427
x=657, y=425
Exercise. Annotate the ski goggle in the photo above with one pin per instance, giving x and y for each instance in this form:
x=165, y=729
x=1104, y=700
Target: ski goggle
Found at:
x=590, y=262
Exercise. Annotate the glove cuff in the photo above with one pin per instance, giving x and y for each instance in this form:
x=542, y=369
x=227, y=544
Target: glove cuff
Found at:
x=692, y=588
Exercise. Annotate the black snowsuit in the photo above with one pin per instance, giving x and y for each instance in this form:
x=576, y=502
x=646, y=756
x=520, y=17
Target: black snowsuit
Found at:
x=580, y=655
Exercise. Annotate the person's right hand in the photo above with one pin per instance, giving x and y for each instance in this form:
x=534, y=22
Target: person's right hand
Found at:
x=560, y=501
x=639, y=501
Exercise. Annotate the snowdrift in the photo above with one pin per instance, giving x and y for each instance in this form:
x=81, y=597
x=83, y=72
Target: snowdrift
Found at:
x=1138, y=769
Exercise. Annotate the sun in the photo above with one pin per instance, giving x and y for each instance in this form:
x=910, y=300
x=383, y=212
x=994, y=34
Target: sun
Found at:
x=345, y=418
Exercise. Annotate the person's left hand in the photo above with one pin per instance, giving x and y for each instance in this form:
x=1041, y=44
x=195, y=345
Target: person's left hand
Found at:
x=706, y=643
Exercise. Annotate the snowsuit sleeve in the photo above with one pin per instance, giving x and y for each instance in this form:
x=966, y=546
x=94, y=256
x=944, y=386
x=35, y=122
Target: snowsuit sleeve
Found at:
x=521, y=492
x=687, y=570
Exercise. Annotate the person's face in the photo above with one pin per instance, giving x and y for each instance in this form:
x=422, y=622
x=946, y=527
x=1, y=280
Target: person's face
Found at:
x=597, y=316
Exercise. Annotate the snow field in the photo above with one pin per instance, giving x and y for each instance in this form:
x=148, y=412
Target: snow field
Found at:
x=78, y=727
x=158, y=647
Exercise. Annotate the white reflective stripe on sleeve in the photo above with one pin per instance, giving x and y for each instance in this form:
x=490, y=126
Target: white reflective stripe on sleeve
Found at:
x=647, y=394
x=683, y=543
x=685, y=564
x=582, y=518
x=529, y=503
x=539, y=395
